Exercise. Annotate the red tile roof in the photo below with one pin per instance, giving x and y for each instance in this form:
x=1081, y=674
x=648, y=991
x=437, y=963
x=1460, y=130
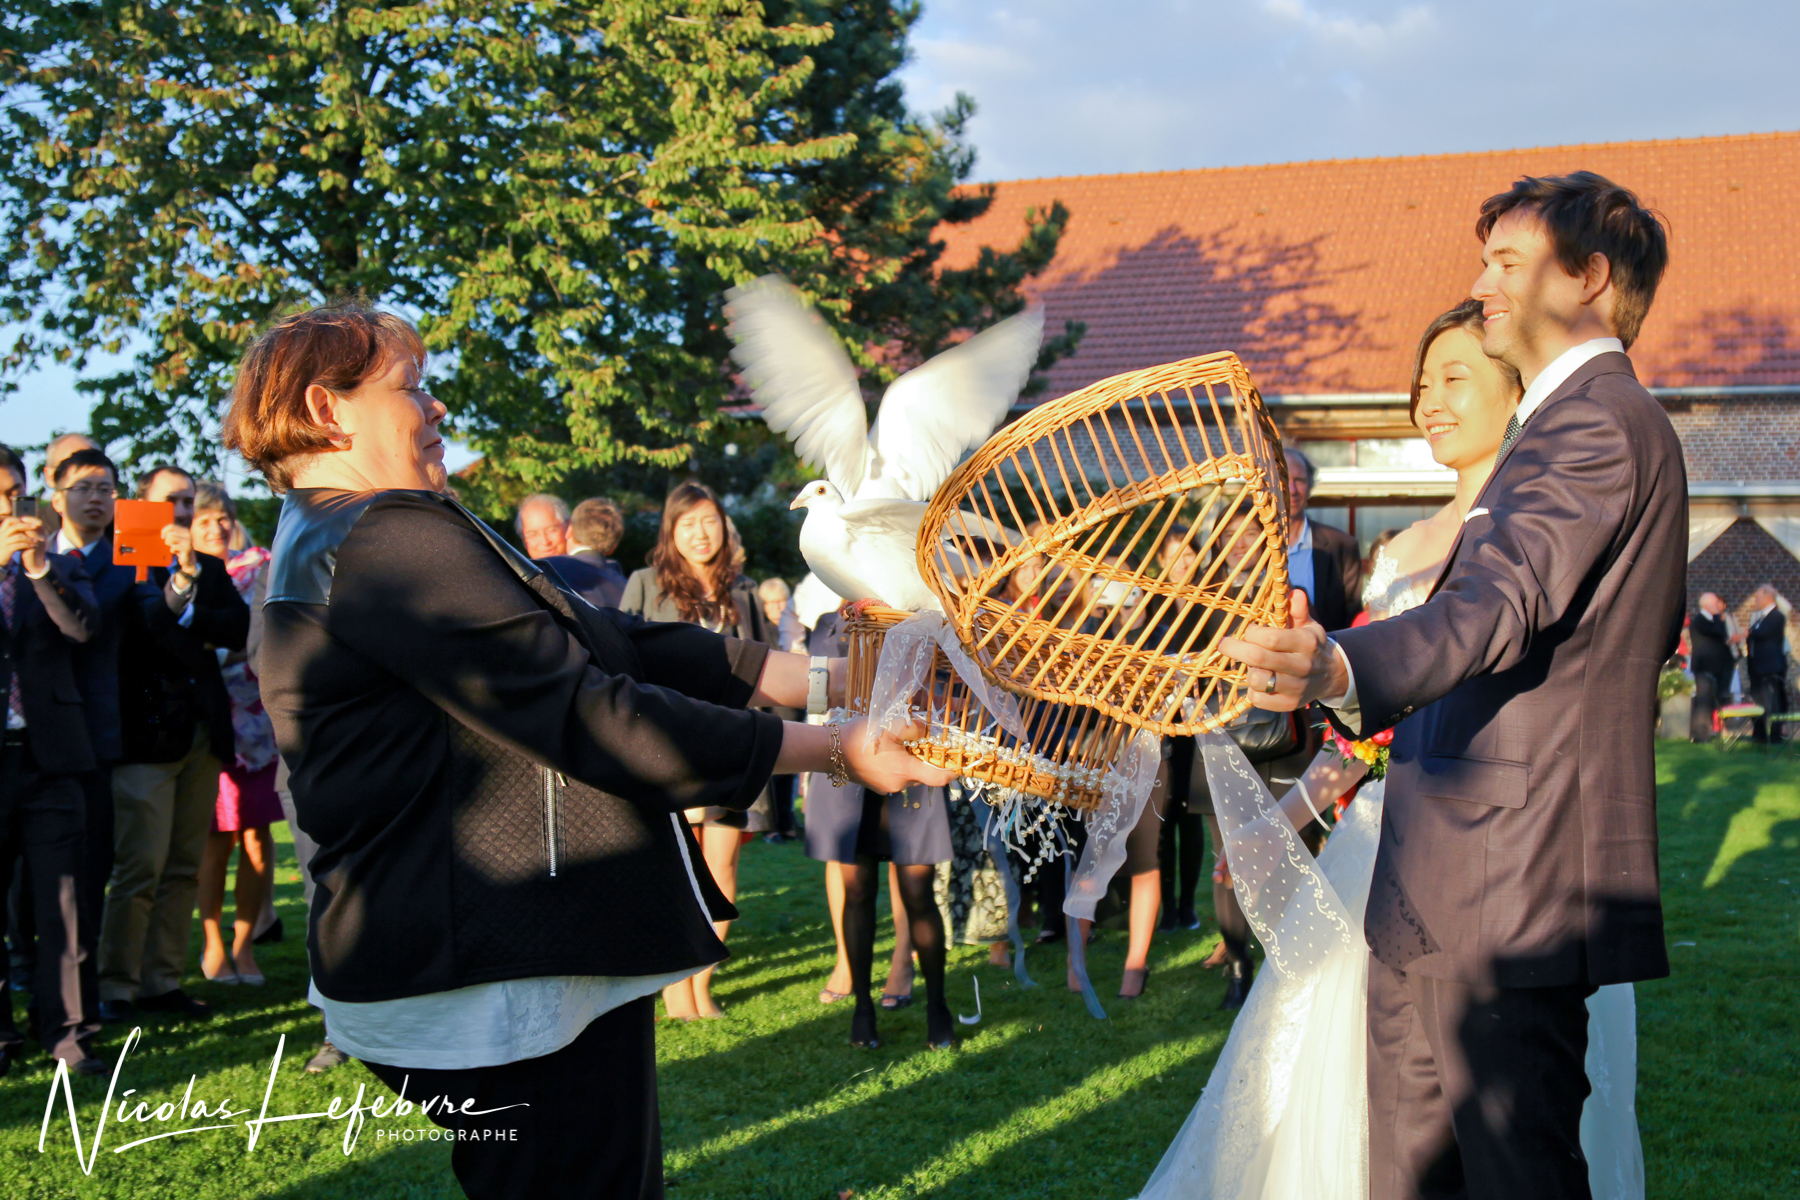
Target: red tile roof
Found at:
x=1322, y=274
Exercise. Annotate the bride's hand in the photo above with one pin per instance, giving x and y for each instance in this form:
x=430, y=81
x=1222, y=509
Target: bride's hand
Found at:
x=1300, y=659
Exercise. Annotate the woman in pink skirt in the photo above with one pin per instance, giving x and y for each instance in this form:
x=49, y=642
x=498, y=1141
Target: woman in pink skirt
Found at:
x=247, y=803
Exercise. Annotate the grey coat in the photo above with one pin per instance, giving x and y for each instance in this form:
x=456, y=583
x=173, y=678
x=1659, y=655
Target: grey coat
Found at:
x=644, y=598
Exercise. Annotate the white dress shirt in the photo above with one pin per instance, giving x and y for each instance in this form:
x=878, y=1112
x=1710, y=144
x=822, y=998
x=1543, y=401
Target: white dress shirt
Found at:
x=1547, y=381
x=486, y=1024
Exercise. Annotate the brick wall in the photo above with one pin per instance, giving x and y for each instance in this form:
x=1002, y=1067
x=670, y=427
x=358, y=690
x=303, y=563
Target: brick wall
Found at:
x=1754, y=438
x=1742, y=557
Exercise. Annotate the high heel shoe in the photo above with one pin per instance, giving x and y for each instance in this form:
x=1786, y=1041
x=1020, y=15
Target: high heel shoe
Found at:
x=225, y=978
x=863, y=1033
x=1133, y=975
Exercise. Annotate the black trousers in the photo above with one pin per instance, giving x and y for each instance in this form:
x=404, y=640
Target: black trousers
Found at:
x=1475, y=1092
x=1770, y=691
x=41, y=826
x=591, y=1129
x=1710, y=691
x=1181, y=844
x=781, y=801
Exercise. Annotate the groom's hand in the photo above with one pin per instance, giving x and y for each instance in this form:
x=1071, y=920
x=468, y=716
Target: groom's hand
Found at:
x=1301, y=660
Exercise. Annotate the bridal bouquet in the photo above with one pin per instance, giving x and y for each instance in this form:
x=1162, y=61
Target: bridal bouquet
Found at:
x=1371, y=752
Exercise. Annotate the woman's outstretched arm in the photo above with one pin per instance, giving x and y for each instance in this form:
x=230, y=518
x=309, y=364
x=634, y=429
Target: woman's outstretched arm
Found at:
x=783, y=682
x=1327, y=778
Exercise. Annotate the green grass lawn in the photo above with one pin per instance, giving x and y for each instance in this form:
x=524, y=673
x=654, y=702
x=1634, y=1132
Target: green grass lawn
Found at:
x=1039, y=1101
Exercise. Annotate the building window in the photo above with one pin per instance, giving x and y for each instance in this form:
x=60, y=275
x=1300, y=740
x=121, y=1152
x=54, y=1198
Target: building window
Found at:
x=1371, y=454
x=1366, y=522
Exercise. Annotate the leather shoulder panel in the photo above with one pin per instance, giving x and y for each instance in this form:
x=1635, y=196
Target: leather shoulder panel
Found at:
x=313, y=523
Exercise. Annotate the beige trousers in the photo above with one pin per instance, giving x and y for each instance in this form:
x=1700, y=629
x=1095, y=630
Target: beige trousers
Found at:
x=162, y=813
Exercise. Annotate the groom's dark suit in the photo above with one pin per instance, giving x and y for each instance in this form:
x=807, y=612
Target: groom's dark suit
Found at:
x=1518, y=868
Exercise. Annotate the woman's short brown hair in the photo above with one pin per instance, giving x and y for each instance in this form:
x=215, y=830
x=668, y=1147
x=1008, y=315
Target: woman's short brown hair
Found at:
x=1466, y=317
x=337, y=346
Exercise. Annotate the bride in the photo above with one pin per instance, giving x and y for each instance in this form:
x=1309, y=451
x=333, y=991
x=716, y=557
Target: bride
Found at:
x=1285, y=1113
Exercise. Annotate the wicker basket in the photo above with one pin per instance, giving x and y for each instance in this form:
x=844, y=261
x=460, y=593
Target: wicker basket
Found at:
x=1153, y=513
x=1066, y=762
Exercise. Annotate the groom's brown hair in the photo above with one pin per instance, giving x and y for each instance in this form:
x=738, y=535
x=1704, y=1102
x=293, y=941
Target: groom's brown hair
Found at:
x=1587, y=214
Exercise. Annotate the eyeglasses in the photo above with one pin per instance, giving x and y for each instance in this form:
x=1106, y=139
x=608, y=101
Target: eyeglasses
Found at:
x=87, y=491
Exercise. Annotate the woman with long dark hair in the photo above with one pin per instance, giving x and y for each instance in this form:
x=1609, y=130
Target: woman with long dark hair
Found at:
x=494, y=771
x=696, y=575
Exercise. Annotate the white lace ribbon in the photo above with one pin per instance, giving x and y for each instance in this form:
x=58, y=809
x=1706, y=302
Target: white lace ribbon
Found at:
x=1124, y=790
x=1297, y=915
x=905, y=670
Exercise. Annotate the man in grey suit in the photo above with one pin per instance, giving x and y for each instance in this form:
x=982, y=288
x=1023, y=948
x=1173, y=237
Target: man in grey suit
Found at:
x=1517, y=869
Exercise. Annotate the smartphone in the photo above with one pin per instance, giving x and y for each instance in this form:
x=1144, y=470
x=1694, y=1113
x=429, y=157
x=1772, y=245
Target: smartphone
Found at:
x=24, y=506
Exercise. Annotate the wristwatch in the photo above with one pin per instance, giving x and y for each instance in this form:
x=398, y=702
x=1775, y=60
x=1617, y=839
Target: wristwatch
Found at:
x=818, y=685
x=182, y=589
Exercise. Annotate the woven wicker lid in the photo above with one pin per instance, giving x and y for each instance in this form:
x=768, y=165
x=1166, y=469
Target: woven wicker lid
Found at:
x=1149, y=519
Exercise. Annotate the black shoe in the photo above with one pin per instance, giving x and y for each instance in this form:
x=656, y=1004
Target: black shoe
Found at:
x=1168, y=923
x=1237, y=986
x=19, y=979
x=115, y=1012
x=862, y=1027
x=178, y=1004
x=274, y=933
x=940, y=1028
x=90, y=1066
x=1187, y=918
x=10, y=1054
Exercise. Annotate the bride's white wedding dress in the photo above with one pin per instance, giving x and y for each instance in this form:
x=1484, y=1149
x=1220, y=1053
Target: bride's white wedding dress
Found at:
x=1285, y=1113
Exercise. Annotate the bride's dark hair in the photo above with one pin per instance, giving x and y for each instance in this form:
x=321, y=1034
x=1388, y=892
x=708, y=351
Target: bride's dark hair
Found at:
x=1466, y=317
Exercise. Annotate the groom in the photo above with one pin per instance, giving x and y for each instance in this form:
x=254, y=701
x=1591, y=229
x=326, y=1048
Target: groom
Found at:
x=1517, y=868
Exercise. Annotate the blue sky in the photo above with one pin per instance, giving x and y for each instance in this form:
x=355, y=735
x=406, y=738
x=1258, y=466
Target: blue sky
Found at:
x=1069, y=87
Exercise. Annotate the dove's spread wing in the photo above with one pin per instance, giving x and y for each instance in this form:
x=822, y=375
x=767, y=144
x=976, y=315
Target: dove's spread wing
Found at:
x=882, y=519
x=941, y=410
x=802, y=378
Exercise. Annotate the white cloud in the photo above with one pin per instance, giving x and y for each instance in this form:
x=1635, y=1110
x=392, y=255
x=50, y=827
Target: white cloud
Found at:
x=1336, y=27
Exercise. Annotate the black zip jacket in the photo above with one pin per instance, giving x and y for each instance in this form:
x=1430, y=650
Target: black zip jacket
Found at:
x=494, y=769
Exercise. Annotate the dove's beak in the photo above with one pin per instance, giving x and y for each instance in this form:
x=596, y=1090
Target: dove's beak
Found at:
x=799, y=502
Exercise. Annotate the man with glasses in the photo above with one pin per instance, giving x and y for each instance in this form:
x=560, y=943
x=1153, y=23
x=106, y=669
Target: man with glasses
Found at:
x=84, y=483
x=59, y=449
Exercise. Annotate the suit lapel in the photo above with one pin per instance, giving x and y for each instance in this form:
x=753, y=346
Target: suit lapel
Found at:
x=1609, y=363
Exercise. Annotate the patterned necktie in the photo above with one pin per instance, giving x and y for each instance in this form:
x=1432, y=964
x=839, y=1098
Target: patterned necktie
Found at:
x=1512, y=435
x=9, y=602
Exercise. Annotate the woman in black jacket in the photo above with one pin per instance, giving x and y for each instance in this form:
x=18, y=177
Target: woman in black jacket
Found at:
x=695, y=576
x=494, y=771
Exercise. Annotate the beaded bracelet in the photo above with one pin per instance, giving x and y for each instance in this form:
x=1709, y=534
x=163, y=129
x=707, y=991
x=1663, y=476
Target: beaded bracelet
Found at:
x=840, y=770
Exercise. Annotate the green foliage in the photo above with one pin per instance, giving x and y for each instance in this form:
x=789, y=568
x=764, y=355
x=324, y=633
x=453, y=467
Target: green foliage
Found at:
x=258, y=515
x=1673, y=682
x=558, y=193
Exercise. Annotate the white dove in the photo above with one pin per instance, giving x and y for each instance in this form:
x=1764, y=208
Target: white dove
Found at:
x=862, y=523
